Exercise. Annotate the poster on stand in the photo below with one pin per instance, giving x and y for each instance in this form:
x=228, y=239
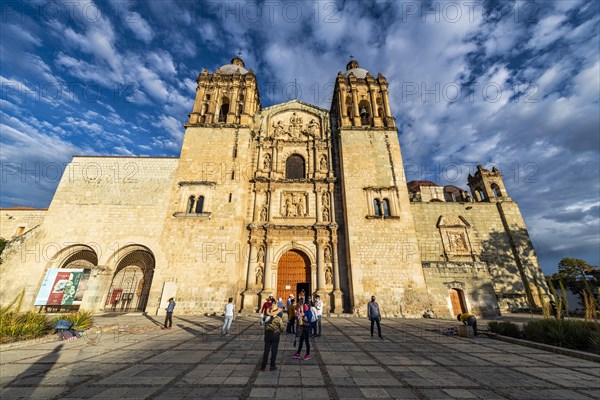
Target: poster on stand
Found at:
x=59, y=287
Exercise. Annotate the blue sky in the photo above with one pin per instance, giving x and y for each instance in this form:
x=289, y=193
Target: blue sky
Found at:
x=514, y=85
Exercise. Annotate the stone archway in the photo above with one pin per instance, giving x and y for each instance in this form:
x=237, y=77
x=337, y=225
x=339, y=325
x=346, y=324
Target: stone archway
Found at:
x=130, y=286
x=293, y=274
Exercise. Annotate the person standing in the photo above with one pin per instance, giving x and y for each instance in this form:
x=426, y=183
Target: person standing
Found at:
x=169, y=318
x=469, y=320
x=305, y=336
x=374, y=316
x=229, y=307
x=288, y=302
x=319, y=308
x=291, y=312
x=273, y=330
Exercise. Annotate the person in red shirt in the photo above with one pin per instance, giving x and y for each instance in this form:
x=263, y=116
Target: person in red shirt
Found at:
x=267, y=305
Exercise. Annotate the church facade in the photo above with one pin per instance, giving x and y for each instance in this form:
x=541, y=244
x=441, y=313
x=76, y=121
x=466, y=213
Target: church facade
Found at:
x=273, y=201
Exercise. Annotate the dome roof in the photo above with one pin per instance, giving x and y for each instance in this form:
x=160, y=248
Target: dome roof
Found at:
x=358, y=72
x=415, y=186
x=353, y=67
x=237, y=65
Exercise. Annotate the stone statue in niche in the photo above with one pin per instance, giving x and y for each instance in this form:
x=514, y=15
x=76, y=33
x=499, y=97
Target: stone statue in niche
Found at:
x=267, y=163
x=301, y=207
x=278, y=129
x=295, y=125
x=263, y=214
x=327, y=254
x=323, y=163
x=326, y=214
x=326, y=199
x=261, y=254
x=328, y=276
x=259, y=275
x=290, y=208
x=313, y=127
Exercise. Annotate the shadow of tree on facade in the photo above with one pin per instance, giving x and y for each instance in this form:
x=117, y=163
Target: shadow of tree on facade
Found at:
x=514, y=268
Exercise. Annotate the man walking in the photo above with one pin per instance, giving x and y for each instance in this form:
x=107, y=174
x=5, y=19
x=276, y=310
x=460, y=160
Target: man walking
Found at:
x=469, y=320
x=169, y=317
x=273, y=330
x=319, y=308
x=374, y=316
x=228, y=317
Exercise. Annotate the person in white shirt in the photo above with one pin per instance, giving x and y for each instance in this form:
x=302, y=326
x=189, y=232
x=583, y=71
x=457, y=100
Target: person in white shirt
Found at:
x=228, y=317
x=319, y=312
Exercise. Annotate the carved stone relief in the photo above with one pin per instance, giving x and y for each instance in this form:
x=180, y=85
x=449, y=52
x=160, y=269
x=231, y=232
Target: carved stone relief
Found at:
x=295, y=126
x=293, y=204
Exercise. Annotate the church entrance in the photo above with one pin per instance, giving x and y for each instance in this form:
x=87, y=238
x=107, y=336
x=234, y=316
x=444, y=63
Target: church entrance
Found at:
x=457, y=297
x=131, y=283
x=293, y=274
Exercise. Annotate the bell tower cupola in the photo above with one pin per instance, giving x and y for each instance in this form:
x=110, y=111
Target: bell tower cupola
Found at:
x=227, y=96
x=361, y=100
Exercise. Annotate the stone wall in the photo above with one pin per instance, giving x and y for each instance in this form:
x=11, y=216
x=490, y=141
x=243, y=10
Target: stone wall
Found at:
x=207, y=253
x=106, y=204
x=472, y=278
x=12, y=220
x=382, y=254
x=508, y=253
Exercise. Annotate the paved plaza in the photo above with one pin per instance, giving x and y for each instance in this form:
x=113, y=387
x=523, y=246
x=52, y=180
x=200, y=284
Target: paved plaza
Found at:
x=136, y=360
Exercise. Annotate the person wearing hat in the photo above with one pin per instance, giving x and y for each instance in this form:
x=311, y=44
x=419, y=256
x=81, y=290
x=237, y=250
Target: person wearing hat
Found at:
x=288, y=302
x=273, y=329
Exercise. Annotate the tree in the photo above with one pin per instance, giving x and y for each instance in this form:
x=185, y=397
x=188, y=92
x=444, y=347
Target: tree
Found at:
x=3, y=243
x=578, y=276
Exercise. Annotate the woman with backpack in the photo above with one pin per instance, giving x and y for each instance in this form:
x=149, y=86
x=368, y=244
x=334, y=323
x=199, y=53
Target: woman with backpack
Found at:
x=305, y=336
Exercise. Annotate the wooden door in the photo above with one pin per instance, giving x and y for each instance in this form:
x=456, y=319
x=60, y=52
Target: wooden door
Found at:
x=292, y=269
x=458, y=302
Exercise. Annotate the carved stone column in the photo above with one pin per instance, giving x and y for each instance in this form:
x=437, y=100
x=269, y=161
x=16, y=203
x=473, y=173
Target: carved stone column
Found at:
x=250, y=303
x=321, y=243
x=268, y=285
x=337, y=292
x=356, y=118
x=318, y=206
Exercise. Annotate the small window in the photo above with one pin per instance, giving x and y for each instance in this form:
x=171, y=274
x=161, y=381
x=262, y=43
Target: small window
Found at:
x=224, y=110
x=386, y=207
x=230, y=197
x=190, y=208
x=232, y=175
x=294, y=167
x=20, y=231
x=377, y=207
x=200, y=205
x=497, y=191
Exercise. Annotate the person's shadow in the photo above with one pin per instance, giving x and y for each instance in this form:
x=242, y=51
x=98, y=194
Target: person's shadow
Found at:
x=32, y=376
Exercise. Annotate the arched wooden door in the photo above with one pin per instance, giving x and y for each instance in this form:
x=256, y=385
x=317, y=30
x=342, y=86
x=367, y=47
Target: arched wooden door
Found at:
x=457, y=297
x=293, y=274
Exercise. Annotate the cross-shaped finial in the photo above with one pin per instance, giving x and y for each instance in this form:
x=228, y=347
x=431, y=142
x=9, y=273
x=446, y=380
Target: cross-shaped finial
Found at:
x=239, y=53
x=351, y=57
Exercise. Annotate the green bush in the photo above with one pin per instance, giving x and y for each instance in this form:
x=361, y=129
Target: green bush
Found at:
x=15, y=325
x=22, y=326
x=568, y=333
x=505, y=328
x=81, y=319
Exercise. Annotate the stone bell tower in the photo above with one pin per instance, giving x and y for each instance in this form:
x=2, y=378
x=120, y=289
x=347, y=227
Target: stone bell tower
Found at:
x=361, y=99
x=382, y=254
x=229, y=96
x=204, y=234
x=487, y=185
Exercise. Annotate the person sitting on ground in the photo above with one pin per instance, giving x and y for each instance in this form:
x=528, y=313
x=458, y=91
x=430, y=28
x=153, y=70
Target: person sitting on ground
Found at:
x=468, y=320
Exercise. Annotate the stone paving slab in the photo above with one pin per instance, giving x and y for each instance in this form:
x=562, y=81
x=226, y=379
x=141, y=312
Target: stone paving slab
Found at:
x=137, y=360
